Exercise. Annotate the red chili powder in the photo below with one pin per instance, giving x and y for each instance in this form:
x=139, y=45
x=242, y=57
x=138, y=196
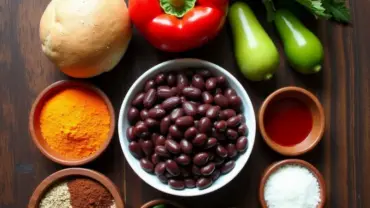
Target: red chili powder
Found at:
x=288, y=121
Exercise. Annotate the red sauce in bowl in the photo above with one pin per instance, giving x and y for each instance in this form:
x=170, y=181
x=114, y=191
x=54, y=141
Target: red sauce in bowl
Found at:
x=288, y=121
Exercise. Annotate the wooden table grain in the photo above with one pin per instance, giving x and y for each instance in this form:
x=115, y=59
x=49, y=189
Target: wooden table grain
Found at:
x=343, y=87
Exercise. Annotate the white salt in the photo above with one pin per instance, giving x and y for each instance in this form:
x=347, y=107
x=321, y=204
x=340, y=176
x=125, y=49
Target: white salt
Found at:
x=292, y=186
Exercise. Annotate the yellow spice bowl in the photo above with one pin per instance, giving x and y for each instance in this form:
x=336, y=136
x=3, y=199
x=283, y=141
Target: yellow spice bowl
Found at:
x=34, y=122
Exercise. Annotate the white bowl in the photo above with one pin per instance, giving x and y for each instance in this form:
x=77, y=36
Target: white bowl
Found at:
x=167, y=66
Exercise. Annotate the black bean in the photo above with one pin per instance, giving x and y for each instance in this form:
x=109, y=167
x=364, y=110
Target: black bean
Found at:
x=151, y=123
x=229, y=92
x=243, y=130
x=189, y=108
x=207, y=97
x=189, y=183
x=221, y=126
x=165, y=125
x=146, y=165
x=176, y=113
x=176, y=184
x=192, y=93
x=172, y=167
x=130, y=134
x=242, y=143
x=133, y=115
x=171, y=103
x=186, y=146
x=215, y=175
x=135, y=149
x=208, y=169
x=231, y=134
x=150, y=98
x=199, y=140
x=175, y=132
x=171, y=80
x=227, y=167
x=213, y=112
x=200, y=158
x=138, y=100
x=147, y=147
x=155, y=159
x=149, y=85
x=160, y=140
x=211, y=142
x=221, y=151
x=160, y=168
x=184, y=121
x=227, y=113
x=203, y=183
x=233, y=122
x=144, y=114
x=183, y=159
x=221, y=101
x=162, y=151
x=172, y=146
x=198, y=82
x=231, y=150
x=235, y=102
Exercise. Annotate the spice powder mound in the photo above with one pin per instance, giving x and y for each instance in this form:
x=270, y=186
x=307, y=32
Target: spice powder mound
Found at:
x=75, y=122
x=56, y=196
x=86, y=193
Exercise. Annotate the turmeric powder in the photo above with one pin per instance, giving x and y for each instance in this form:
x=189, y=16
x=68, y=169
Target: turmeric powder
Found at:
x=75, y=122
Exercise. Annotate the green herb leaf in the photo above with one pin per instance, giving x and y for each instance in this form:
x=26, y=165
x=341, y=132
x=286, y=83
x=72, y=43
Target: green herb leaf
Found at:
x=338, y=10
x=270, y=8
x=316, y=7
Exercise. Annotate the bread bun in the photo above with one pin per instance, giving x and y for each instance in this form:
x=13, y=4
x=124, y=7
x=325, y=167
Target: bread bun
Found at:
x=85, y=38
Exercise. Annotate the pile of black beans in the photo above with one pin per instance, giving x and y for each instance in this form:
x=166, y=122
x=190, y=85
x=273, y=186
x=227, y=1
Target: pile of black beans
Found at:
x=187, y=128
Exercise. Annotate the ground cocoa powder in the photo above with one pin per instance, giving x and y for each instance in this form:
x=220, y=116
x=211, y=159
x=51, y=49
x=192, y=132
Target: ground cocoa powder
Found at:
x=86, y=193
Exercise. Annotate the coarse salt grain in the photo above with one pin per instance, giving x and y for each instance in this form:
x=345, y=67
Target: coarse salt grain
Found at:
x=292, y=186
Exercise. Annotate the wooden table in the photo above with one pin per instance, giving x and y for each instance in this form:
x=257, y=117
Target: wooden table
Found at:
x=343, y=87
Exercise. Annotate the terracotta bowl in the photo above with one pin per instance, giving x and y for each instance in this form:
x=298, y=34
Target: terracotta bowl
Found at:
x=275, y=166
x=74, y=172
x=317, y=115
x=161, y=201
x=34, y=122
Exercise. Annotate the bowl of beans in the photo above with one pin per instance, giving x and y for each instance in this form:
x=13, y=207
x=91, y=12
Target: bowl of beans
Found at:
x=187, y=127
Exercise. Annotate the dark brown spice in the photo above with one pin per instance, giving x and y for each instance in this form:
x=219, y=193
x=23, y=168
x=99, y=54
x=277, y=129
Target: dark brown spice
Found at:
x=86, y=193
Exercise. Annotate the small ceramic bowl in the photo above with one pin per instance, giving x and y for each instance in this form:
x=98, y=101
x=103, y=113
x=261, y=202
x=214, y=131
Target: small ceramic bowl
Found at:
x=161, y=201
x=34, y=122
x=275, y=166
x=318, y=118
x=74, y=173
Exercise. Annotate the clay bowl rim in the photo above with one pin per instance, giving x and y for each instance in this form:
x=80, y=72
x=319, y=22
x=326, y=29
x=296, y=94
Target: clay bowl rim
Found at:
x=275, y=166
x=288, y=150
x=70, y=172
x=38, y=103
x=155, y=202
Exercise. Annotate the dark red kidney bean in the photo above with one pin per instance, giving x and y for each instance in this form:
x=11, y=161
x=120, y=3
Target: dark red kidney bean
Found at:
x=196, y=124
x=213, y=112
x=221, y=126
x=154, y=137
x=183, y=159
x=168, y=175
x=190, y=133
x=207, y=97
x=243, y=130
x=155, y=159
x=221, y=80
x=130, y=134
x=211, y=142
x=133, y=115
x=184, y=121
x=204, y=73
x=203, y=183
x=227, y=167
x=149, y=84
x=211, y=83
x=231, y=150
x=218, y=135
x=171, y=103
x=204, y=125
x=149, y=98
x=138, y=100
x=221, y=151
x=175, y=132
x=189, y=183
x=165, y=92
x=219, y=161
x=172, y=167
x=183, y=99
x=144, y=114
x=147, y=147
x=141, y=129
x=160, y=140
x=162, y=178
x=201, y=158
x=165, y=125
x=202, y=109
x=146, y=165
x=156, y=113
x=160, y=168
x=182, y=81
x=176, y=184
x=184, y=172
x=241, y=116
x=211, y=156
x=160, y=79
x=186, y=146
x=198, y=82
x=192, y=93
x=176, y=113
x=215, y=175
x=208, y=169
x=171, y=80
x=172, y=146
x=135, y=149
x=151, y=123
x=226, y=114
x=189, y=108
x=199, y=139
x=231, y=134
x=229, y=92
x=221, y=101
x=158, y=106
x=161, y=151
x=195, y=170
x=242, y=143
x=235, y=102
x=233, y=122
x=218, y=91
